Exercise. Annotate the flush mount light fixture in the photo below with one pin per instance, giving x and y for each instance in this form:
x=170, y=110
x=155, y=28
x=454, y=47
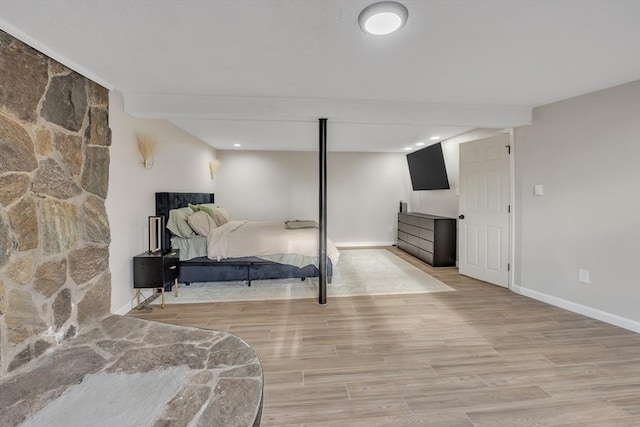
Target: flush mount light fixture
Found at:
x=419, y=144
x=434, y=138
x=237, y=145
x=383, y=17
x=408, y=148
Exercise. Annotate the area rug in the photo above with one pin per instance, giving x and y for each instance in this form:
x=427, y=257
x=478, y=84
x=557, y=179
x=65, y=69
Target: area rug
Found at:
x=359, y=272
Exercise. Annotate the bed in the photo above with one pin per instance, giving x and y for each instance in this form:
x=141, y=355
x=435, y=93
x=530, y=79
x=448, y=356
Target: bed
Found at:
x=239, y=268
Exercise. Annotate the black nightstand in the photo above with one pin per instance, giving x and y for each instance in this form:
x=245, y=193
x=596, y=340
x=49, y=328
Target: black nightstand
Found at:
x=156, y=270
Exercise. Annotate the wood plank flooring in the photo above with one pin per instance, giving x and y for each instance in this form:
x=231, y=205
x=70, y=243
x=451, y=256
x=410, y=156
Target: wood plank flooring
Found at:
x=481, y=356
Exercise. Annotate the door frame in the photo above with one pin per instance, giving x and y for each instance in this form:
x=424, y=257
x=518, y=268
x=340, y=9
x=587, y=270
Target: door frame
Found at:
x=512, y=203
x=512, y=167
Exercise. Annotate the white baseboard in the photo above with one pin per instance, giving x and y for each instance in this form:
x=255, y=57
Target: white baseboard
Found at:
x=123, y=310
x=594, y=313
x=132, y=304
x=362, y=244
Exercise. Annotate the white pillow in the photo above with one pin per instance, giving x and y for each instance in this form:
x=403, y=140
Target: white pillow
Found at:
x=224, y=213
x=219, y=214
x=201, y=223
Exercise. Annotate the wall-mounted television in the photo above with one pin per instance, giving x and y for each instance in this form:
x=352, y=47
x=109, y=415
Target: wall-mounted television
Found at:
x=427, y=169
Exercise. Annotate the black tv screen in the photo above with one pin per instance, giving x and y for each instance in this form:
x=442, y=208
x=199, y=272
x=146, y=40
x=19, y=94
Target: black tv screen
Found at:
x=427, y=169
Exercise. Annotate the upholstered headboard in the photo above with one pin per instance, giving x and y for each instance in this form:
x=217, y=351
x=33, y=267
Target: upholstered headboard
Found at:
x=167, y=201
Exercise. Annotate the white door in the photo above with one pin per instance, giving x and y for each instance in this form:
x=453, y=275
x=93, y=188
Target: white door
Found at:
x=483, y=221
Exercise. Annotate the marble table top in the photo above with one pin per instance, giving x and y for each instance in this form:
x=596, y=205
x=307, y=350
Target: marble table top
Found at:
x=133, y=372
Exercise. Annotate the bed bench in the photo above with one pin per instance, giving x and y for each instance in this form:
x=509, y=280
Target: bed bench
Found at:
x=236, y=269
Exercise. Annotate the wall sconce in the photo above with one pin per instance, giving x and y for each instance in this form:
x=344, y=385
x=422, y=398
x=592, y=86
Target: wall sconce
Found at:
x=213, y=167
x=147, y=149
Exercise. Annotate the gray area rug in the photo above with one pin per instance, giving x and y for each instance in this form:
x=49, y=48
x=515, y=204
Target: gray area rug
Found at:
x=359, y=272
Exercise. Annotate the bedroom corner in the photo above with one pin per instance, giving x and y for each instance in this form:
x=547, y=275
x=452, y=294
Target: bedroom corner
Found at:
x=181, y=162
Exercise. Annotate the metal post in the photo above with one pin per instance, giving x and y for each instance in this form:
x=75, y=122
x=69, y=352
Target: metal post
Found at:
x=322, y=262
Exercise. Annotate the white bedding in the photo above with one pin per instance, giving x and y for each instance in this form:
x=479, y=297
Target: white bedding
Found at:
x=268, y=240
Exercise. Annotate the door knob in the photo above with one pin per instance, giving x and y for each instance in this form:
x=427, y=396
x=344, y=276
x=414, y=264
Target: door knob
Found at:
x=461, y=216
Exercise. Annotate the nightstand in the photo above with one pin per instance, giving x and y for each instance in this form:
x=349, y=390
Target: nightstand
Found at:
x=156, y=270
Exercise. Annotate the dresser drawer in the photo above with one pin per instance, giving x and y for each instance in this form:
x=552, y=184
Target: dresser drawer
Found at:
x=171, y=269
x=412, y=229
x=413, y=220
x=425, y=256
x=426, y=234
x=426, y=223
x=408, y=248
x=425, y=245
x=403, y=245
x=414, y=240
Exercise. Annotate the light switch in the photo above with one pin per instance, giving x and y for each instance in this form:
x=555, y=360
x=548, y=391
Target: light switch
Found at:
x=538, y=190
x=583, y=276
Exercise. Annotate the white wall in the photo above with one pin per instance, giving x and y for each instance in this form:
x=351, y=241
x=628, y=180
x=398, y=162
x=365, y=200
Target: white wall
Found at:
x=445, y=202
x=181, y=164
x=363, y=196
x=363, y=190
x=585, y=151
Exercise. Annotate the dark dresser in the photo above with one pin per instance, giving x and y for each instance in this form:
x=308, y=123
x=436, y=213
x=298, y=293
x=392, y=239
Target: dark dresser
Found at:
x=428, y=237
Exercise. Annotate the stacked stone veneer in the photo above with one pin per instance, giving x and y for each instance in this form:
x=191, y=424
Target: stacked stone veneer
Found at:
x=54, y=232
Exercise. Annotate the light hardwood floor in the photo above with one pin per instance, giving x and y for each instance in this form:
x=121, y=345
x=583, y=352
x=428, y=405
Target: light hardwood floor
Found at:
x=481, y=356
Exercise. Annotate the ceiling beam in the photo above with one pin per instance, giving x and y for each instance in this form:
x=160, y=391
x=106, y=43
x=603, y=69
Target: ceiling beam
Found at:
x=309, y=109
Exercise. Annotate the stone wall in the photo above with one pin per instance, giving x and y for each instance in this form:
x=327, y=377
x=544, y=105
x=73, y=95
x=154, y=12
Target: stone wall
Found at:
x=54, y=231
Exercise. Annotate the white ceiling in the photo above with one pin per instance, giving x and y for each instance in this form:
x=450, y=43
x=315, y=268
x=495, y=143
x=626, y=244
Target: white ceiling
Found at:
x=260, y=72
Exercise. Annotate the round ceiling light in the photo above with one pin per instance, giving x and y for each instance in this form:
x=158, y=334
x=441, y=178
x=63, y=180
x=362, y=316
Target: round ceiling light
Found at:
x=383, y=17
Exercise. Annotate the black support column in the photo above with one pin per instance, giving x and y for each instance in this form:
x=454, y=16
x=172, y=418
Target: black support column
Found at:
x=322, y=262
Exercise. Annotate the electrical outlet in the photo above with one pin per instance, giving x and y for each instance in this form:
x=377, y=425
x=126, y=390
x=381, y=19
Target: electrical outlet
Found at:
x=583, y=276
